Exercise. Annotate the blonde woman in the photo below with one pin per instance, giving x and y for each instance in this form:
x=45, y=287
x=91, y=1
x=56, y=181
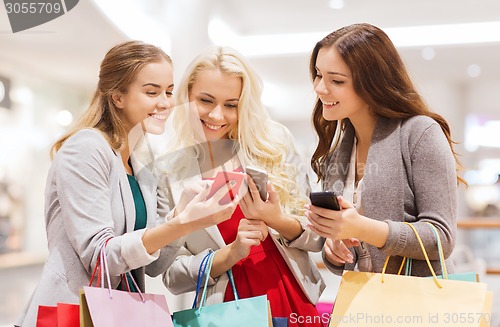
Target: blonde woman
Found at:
x=223, y=125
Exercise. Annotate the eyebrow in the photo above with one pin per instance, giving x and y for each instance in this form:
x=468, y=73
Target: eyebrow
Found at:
x=157, y=85
x=211, y=96
x=332, y=73
x=337, y=73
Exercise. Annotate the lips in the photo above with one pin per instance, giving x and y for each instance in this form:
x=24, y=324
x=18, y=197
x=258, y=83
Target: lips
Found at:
x=330, y=103
x=160, y=117
x=212, y=126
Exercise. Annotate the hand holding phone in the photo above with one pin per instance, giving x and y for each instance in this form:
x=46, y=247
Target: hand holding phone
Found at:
x=221, y=180
x=259, y=177
x=327, y=200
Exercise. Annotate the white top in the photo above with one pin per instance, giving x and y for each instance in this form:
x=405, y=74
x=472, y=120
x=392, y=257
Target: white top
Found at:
x=352, y=192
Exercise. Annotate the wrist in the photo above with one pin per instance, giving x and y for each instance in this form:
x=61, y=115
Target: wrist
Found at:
x=233, y=255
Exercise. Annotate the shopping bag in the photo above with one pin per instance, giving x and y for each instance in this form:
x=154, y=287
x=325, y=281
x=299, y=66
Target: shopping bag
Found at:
x=368, y=299
x=280, y=322
x=106, y=307
x=251, y=312
x=62, y=315
x=68, y=315
x=47, y=316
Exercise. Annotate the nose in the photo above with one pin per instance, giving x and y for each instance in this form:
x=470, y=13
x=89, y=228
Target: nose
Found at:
x=320, y=88
x=216, y=113
x=165, y=102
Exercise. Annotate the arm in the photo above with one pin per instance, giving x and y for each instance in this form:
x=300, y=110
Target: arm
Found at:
x=434, y=184
x=86, y=181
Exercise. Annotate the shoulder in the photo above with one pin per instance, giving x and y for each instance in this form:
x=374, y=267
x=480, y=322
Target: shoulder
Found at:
x=86, y=143
x=417, y=125
x=423, y=131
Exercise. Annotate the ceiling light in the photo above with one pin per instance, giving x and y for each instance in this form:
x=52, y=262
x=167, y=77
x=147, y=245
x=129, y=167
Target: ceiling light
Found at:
x=428, y=53
x=473, y=70
x=336, y=4
x=131, y=20
x=408, y=36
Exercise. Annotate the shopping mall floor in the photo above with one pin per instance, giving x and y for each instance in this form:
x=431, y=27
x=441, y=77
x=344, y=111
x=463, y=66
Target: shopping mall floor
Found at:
x=16, y=285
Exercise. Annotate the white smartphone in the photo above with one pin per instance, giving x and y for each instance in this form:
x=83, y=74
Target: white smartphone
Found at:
x=259, y=177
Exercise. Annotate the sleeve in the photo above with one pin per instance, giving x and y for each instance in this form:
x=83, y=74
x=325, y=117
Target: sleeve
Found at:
x=434, y=181
x=339, y=270
x=308, y=240
x=182, y=275
x=83, y=180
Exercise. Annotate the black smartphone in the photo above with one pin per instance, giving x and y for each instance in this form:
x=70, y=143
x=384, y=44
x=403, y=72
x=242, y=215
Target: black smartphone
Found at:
x=259, y=177
x=327, y=200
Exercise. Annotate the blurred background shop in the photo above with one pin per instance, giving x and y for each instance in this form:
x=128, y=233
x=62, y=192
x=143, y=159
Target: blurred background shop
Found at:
x=48, y=73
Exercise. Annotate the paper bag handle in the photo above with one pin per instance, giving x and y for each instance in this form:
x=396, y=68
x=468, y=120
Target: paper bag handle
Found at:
x=207, y=278
x=425, y=255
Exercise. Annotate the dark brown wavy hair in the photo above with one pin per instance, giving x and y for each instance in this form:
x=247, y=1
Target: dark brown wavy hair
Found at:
x=118, y=69
x=379, y=77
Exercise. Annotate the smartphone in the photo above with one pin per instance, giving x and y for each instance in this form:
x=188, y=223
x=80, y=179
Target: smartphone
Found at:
x=327, y=200
x=221, y=180
x=259, y=177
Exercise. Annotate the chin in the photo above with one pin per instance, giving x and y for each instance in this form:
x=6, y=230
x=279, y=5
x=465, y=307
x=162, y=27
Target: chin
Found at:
x=154, y=128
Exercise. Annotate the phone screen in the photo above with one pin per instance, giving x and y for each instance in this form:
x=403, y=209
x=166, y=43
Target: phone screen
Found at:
x=221, y=180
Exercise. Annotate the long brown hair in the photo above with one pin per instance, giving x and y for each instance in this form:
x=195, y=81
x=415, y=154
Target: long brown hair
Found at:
x=118, y=69
x=379, y=78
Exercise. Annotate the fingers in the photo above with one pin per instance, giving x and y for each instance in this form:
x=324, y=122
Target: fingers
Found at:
x=256, y=229
x=338, y=251
x=344, y=204
x=227, y=188
x=254, y=190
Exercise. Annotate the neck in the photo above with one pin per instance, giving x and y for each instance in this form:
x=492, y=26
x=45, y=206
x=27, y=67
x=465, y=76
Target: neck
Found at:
x=135, y=135
x=364, y=128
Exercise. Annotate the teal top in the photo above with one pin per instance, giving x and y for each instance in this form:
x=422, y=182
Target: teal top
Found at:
x=140, y=205
x=140, y=218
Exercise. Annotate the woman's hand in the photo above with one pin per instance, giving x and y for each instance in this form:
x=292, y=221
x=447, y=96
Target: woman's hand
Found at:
x=337, y=251
x=253, y=207
x=189, y=192
x=200, y=212
x=269, y=211
x=347, y=223
x=335, y=224
x=250, y=233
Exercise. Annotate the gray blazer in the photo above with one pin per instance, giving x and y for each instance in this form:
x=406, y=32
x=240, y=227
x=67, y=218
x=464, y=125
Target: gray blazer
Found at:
x=88, y=200
x=410, y=176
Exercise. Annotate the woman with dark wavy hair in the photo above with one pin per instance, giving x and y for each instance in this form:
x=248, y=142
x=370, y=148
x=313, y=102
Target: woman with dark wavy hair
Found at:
x=388, y=158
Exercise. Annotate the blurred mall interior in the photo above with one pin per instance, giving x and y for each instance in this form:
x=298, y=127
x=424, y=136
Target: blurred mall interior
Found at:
x=48, y=74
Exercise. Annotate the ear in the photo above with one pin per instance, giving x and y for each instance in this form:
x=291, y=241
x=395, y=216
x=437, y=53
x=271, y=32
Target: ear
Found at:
x=117, y=98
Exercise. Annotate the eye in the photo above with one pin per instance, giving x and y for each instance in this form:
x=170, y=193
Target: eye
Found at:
x=169, y=93
x=151, y=93
x=337, y=82
x=205, y=100
x=231, y=105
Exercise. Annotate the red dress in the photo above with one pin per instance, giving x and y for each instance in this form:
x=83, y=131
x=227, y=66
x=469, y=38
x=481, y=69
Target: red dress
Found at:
x=265, y=271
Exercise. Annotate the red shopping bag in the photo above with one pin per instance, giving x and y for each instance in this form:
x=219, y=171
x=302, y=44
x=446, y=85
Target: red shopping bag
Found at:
x=62, y=315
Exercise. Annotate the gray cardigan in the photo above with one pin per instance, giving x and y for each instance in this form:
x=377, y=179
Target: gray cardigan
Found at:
x=87, y=201
x=410, y=176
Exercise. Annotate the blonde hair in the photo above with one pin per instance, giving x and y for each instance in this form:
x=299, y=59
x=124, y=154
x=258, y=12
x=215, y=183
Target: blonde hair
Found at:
x=118, y=69
x=261, y=140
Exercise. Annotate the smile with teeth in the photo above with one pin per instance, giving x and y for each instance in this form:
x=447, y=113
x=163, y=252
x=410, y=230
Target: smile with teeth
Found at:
x=330, y=103
x=158, y=116
x=212, y=127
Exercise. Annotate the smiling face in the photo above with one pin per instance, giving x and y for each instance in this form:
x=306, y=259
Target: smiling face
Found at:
x=216, y=96
x=149, y=98
x=334, y=87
